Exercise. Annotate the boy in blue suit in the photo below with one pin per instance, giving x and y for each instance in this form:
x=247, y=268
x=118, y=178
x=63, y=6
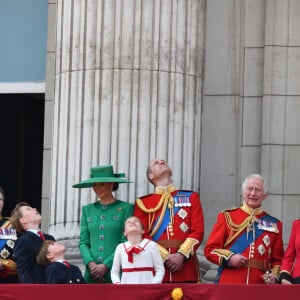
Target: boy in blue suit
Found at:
x=58, y=271
x=27, y=220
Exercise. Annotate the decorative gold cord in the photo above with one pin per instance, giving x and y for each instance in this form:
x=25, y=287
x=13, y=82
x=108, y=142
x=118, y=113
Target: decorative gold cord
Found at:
x=236, y=229
x=171, y=208
x=141, y=205
x=162, y=214
x=166, y=199
x=150, y=221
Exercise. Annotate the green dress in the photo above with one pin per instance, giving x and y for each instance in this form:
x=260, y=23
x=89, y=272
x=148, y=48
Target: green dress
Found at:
x=101, y=230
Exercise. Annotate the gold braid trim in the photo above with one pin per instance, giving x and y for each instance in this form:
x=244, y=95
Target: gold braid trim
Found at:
x=164, y=253
x=222, y=253
x=141, y=205
x=164, y=200
x=276, y=270
x=166, y=197
x=187, y=247
x=235, y=228
x=149, y=211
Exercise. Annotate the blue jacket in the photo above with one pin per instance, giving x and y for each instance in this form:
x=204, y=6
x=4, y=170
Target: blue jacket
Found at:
x=25, y=251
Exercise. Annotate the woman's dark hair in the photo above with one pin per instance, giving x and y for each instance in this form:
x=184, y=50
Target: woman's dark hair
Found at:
x=115, y=186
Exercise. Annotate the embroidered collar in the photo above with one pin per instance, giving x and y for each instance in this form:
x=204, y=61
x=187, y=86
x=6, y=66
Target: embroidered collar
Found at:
x=251, y=211
x=160, y=190
x=142, y=245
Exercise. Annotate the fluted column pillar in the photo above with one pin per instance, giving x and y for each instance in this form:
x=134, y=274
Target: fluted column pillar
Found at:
x=281, y=110
x=128, y=86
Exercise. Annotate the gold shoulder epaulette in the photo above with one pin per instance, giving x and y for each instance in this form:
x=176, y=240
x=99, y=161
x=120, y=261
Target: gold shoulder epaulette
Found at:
x=229, y=209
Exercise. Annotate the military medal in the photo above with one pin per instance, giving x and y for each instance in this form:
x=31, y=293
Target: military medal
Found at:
x=261, y=249
x=8, y=234
x=182, y=214
x=182, y=200
x=266, y=240
x=267, y=226
x=184, y=227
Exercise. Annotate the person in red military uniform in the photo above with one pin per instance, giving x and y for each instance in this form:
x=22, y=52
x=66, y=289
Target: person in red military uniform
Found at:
x=246, y=242
x=174, y=219
x=8, y=237
x=290, y=268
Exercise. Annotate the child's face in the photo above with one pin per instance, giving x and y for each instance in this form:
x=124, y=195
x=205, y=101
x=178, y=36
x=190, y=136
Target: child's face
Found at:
x=30, y=215
x=133, y=224
x=56, y=249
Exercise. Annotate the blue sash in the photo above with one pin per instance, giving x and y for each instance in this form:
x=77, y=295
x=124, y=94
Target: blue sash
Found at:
x=166, y=218
x=242, y=243
x=2, y=244
x=5, y=233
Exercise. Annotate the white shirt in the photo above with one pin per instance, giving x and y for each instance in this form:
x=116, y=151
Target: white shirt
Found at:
x=35, y=231
x=134, y=273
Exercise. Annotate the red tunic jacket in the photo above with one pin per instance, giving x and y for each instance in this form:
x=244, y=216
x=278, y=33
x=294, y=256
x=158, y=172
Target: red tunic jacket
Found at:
x=266, y=250
x=292, y=253
x=184, y=236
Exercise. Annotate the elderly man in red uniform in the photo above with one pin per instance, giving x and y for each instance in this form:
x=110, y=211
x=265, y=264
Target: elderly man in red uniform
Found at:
x=247, y=242
x=174, y=219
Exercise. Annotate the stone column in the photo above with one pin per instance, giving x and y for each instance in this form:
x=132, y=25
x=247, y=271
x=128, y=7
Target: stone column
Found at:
x=281, y=111
x=220, y=144
x=128, y=85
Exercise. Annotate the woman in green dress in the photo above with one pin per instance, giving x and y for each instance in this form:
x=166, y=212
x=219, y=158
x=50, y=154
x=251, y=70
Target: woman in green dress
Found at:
x=102, y=222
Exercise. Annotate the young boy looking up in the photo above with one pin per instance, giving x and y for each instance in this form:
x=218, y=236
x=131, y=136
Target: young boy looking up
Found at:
x=27, y=220
x=57, y=269
x=138, y=258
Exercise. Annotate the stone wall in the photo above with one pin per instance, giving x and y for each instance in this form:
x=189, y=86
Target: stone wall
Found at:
x=211, y=86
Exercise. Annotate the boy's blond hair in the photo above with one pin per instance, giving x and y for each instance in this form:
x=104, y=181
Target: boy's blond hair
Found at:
x=16, y=215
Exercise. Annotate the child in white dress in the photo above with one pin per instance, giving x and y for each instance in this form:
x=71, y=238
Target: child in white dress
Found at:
x=139, y=259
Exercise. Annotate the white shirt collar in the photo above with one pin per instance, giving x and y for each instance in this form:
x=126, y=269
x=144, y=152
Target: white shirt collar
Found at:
x=35, y=231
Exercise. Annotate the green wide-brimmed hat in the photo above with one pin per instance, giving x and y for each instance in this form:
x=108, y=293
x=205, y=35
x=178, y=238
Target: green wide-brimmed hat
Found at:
x=102, y=174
